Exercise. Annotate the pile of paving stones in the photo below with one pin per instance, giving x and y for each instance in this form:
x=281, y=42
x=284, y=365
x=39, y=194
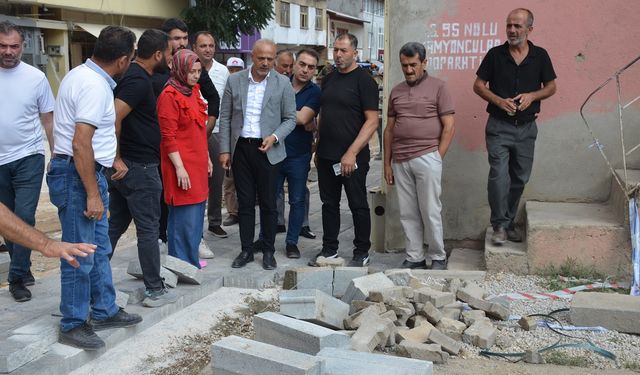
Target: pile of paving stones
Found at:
x=332, y=318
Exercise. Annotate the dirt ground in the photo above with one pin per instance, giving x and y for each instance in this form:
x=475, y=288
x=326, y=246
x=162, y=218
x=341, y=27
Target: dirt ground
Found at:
x=500, y=367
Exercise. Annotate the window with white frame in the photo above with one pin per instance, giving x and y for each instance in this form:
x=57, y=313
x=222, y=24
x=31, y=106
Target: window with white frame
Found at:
x=319, y=19
x=304, y=17
x=285, y=14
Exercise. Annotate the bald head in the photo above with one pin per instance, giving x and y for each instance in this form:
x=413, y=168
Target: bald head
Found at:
x=263, y=56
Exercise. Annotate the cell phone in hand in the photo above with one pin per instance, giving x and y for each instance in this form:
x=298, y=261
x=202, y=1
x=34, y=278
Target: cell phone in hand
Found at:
x=337, y=168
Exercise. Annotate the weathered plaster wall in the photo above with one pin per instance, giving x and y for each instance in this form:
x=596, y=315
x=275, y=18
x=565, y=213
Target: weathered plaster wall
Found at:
x=588, y=40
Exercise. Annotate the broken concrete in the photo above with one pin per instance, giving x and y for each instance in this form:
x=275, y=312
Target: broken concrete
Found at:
x=448, y=344
x=320, y=278
x=418, y=334
x=528, y=323
x=294, y=334
x=330, y=262
x=451, y=328
x=374, y=333
x=429, y=311
x=341, y=362
x=470, y=316
x=618, y=312
x=170, y=278
x=481, y=333
x=387, y=294
x=360, y=287
x=403, y=309
x=427, y=352
x=314, y=306
x=438, y=299
x=122, y=299
x=187, y=273
x=354, y=321
x=342, y=277
x=238, y=355
x=416, y=320
x=470, y=290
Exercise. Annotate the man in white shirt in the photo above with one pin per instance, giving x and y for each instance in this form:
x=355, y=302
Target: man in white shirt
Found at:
x=27, y=102
x=205, y=47
x=85, y=145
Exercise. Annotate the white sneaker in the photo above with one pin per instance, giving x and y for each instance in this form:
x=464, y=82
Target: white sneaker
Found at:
x=203, y=250
x=164, y=248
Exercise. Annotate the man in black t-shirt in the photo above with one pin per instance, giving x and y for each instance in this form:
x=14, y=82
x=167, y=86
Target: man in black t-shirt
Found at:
x=519, y=75
x=134, y=181
x=348, y=119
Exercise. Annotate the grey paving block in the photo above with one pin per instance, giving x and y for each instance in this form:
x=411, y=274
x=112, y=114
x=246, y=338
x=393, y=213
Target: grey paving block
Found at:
x=613, y=311
x=299, y=335
x=437, y=298
x=170, y=278
x=372, y=334
x=481, y=333
x=241, y=356
x=448, y=344
x=314, y=306
x=5, y=263
x=320, y=278
x=187, y=273
x=342, y=277
x=122, y=298
x=360, y=287
x=134, y=269
x=18, y=350
x=341, y=362
x=428, y=352
x=134, y=288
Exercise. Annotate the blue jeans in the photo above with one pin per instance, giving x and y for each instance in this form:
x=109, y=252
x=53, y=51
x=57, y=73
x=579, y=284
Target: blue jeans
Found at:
x=296, y=171
x=91, y=284
x=184, y=231
x=20, y=184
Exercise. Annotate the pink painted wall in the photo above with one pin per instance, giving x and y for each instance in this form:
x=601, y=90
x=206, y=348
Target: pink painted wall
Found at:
x=588, y=40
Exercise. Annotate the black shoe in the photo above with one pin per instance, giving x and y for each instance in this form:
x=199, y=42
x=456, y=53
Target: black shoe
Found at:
x=292, y=251
x=29, y=280
x=242, y=259
x=217, y=231
x=324, y=253
x=440, y=265
x=513, y=235
x=82, y=337
x=414, y=265
x=231, y=220
x=307, y=233
x=499, y=236
x=4, y=248
x=359, y=260
x=258, y=246
x=269, y=261
x=281, y=229
x=122, y=319
x=19, y=292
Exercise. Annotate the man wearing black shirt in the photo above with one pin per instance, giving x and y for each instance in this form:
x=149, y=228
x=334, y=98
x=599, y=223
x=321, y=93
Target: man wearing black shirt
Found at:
x=519, y=75
x=348, y=119
x=134, y=183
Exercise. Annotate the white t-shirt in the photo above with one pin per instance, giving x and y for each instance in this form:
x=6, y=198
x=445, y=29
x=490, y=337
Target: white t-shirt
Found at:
x=25, y=95
x=86, y=96
x=219, y=75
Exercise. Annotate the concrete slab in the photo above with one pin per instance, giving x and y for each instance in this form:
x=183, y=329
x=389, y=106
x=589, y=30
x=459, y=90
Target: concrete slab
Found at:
x=341, y=362
x=342, y=277
x=462, y=259
x=320, y=278
x=508, y=257
x=187, y=273
x=241, y=356
x=360, y=287
x=590, y=233
x=294, y=334
x=314, y=306
x=613, y=311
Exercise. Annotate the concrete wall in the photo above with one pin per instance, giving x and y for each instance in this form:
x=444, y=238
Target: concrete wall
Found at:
x=350, y=7
x=144, y=8
x=588, y=40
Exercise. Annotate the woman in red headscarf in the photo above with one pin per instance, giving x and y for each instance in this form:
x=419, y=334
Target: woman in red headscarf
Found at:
x=184, y=156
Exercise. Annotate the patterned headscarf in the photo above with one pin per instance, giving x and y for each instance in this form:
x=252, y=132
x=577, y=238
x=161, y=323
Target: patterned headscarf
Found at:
x=183, y=61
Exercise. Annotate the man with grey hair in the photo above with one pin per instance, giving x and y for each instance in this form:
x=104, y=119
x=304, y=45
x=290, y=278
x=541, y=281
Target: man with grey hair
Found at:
x=284, y=62
x=348, y=119
x=258, y=111
x=420, y=128
x=27, y=103
x=513, y=78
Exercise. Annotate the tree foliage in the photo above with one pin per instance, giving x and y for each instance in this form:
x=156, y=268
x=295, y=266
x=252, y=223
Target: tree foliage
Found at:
x=227, y=19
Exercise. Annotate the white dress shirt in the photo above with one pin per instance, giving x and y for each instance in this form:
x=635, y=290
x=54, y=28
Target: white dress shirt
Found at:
x=255, y=96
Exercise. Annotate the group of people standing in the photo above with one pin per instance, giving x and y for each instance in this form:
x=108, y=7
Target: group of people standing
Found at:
x=152, y=135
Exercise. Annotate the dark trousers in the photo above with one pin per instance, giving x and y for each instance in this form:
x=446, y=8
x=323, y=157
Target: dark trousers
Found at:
x=20, y=184
x=510, y=148
x=253, y=173
x=355, y=186
x=164, y=213
x=215, y=183
x=137, y=197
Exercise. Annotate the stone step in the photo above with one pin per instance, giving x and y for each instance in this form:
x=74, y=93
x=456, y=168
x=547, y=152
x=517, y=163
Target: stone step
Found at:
x=617, y=197
x=466, y=260
x=35, y=346
x=589, y=233
x=508, y=257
